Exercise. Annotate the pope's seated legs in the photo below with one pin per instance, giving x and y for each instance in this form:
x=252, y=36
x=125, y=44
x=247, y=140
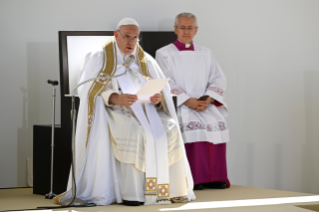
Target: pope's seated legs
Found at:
x=132, y=182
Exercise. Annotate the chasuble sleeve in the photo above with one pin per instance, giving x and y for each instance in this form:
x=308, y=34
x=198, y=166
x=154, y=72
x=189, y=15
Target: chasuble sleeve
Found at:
x=106, y=94
x=175, y=90
x=91, y=70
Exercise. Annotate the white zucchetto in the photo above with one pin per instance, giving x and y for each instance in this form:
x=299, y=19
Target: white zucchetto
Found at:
x=127, y=21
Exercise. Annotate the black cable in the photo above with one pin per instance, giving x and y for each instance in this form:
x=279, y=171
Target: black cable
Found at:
x=62, y=206
x=73, y=175
x=52, y=207
x=69, y=205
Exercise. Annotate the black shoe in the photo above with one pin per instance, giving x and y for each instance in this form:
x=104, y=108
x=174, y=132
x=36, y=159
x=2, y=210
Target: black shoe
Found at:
x=132, y=203
x=216, y=185
x=198, y=187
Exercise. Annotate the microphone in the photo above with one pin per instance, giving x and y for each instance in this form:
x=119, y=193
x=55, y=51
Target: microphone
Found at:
x=130, y=60
x=53, y=82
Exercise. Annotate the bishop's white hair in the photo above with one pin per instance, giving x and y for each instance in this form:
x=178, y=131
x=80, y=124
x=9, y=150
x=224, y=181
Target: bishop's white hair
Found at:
x=187, y=15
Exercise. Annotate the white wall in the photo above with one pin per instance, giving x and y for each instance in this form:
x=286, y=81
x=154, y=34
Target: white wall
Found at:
x=268, y=49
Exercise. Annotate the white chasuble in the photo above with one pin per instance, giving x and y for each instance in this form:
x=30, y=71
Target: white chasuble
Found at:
x=113, y=133
x=129, y=142
x=194, y=74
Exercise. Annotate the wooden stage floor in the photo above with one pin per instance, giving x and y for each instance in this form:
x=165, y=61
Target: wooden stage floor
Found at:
x=236, y=198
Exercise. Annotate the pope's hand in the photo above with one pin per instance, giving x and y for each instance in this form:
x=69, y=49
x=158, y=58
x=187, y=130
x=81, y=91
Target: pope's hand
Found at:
x=156, y=99
x=122, y=99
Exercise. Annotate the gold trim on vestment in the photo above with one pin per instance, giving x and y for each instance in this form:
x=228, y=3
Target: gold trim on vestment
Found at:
x=57, y=199
x=163, y=102
x=163, y=190
x=142, y=61
x=179, y=199
x=150, y=184
x=108, y=69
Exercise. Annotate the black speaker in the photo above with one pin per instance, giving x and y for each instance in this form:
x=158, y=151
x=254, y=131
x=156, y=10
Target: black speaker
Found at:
x=42, y=160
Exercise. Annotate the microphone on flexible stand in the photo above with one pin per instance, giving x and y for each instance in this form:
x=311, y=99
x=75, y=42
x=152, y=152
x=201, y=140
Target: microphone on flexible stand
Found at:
x=51, y=195
x=131, y=59
x=127, y=65
x=73, y=201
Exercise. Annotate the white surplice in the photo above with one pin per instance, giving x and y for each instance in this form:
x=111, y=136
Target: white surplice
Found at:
x=97, y=165
x=194, y=74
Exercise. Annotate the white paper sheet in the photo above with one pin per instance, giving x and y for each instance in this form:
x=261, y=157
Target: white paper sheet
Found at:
x=151, y=88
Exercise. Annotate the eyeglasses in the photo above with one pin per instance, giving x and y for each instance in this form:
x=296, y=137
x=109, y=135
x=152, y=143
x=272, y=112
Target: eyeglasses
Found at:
x=186, y=29
x=128, y=38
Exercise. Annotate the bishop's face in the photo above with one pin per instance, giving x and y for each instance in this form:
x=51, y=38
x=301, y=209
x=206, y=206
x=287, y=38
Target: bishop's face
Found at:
x=186, y=29
x=127, y=38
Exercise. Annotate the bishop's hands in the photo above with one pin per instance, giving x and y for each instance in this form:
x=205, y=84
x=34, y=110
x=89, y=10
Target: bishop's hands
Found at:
x=198, y=104
x=129, y=99
x=202, y=104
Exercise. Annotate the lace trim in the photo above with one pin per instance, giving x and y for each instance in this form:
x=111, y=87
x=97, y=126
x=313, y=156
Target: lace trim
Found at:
x=217, y=90
x=176, y=91
x=196, y=125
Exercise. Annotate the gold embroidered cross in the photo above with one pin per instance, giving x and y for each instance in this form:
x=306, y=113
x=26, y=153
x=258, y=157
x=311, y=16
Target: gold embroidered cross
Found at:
x=103, y=80
x=163, y=190
x=150, y=184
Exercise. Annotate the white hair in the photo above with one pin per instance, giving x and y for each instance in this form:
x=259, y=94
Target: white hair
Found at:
x=187, y=15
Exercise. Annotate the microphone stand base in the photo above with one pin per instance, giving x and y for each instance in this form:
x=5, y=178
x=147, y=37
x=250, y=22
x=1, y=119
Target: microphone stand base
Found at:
x=77, y=202
x=50, y=195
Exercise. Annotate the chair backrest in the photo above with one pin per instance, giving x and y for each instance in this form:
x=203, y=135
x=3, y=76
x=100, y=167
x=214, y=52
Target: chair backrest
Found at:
x=75, y=50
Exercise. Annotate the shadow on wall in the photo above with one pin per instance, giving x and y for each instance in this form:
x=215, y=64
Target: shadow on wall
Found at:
x=310, y=158
x=250, y=163
x=274, y=178
x=23, y=144
x=271, y=130
x=42, y=64
x=278, y=165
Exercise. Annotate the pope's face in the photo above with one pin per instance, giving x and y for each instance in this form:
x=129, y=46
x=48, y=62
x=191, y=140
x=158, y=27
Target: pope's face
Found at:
x=186, y=29
x=126, y=38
